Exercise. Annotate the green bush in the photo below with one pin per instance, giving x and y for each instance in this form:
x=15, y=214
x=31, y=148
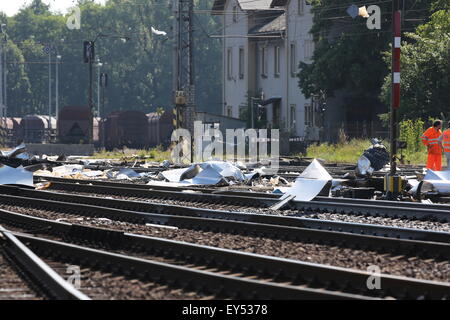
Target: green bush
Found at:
x=343, y=152
x=411, y=131
x=157, y=154
x=350, y=151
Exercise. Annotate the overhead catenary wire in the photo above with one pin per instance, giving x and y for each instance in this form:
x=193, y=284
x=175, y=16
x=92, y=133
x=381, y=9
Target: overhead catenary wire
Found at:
x=342, y=17
x=242, y=15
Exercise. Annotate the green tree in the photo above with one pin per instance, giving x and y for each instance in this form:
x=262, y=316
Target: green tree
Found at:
x=245, y=112
x=349, y=57
x=425, y=77
x=18, y=81
x=139, y=70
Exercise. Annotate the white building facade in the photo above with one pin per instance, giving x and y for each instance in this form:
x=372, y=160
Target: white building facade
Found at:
x=263, y=43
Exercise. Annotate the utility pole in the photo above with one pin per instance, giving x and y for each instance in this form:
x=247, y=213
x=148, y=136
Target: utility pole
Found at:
x=58, y=60
x=392, y=180
x=88, y=57
x=183, y=75
x=91, y=102
x=252, y=111
x=99, y=65
x=49, y=93
x=5, y=82
x=3, y=68
x=1, y=78
x=103, y=84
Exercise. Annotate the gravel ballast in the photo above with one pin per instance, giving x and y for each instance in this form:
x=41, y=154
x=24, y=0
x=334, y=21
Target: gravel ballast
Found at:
x=310, y=252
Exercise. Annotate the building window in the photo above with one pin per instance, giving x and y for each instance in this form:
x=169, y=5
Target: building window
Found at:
x=276, y=66
x=235, y=14
x=230, y=63
x=241, y=63
x=293, y=116
x=308, y=115
x=264, y=62
x=301, y=7
x=293, y=60
x=309, y=49
x=230, y=111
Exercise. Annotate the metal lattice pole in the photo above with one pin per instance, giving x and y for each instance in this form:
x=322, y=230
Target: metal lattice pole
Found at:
x=184, y=76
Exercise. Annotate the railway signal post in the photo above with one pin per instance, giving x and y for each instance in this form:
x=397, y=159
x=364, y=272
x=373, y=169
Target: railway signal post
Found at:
x=89, y=56
x=393, y=182
x=183, y=62
x=2, y=102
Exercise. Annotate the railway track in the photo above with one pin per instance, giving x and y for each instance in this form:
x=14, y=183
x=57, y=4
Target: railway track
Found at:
x=13, y=285
x=420, y=242
x=105, y=284
x=215, y=271
x=236, y=192
x=330, y=254
x=216, y=284
x=416, y=244
x=405, y=210
x=182, y=211
x=34, y=273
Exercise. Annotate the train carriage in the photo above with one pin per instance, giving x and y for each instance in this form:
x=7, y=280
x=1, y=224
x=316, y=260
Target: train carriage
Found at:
x=125, y=129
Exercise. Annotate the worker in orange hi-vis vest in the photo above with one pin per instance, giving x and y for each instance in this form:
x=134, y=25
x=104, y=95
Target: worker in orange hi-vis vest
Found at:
x=430, y=138
x=444, y=142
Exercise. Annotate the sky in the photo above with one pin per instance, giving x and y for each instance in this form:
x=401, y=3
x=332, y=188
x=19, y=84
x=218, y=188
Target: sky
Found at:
x=11, y=7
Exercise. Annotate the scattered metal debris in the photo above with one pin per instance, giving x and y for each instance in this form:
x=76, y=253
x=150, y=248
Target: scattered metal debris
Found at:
x=16, y=176
x=206, y=173
x=310, y=183
x=363, y=181
x=435, y=184
x=373, y=159
x=15, y=152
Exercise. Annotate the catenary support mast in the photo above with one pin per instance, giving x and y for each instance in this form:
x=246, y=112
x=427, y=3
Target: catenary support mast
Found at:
x=183, y=75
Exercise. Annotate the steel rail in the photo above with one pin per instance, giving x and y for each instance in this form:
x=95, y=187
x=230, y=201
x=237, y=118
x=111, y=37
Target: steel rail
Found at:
x=37, y=270
x=297, y=271
x=402, y=204
x=373, y=209
x=156, y=187
x=139, y=206
x=320, y=204
x=179, y=195
x=297, y=169
x=179, y=275
x=53, y=202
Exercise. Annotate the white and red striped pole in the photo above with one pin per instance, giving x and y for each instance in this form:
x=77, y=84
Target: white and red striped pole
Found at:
x=393, y=184
x=396, y=60
x=395, y=104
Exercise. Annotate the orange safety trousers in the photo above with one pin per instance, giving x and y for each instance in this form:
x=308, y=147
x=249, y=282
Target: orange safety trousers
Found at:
x=434, y=161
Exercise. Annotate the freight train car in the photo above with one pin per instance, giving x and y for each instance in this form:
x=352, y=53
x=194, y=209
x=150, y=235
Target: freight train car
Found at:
x=74, y=125
x=13, y=131
x=38, y=129
x=125, y=129
x=160, y=128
